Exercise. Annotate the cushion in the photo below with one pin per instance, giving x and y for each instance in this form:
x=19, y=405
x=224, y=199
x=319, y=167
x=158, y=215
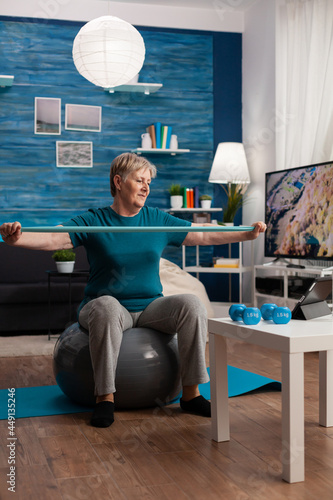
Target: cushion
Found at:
x=174, y=280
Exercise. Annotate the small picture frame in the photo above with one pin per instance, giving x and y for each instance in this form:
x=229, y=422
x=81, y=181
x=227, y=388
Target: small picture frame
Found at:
x=83, y=118
x=74, y=154
x=201, y=218
x=47, y=115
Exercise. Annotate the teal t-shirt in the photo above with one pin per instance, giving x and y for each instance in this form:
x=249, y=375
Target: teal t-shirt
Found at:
x=125, y=265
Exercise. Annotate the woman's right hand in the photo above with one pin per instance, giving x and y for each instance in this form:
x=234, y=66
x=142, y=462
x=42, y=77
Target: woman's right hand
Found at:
x=10, y=232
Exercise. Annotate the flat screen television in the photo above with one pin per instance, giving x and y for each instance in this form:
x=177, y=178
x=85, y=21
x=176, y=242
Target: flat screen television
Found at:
x=299, y=212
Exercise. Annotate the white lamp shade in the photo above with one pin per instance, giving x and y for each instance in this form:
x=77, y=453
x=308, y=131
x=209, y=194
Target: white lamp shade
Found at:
x=108, y=51
x=230, y=165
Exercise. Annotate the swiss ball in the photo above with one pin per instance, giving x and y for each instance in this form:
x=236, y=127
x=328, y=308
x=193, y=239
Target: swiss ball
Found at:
x=147, y=372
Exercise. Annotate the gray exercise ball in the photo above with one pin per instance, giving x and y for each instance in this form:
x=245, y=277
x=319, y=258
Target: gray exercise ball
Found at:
x=147, y=372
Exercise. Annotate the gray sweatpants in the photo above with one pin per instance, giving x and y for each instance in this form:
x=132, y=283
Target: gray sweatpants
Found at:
x=106, y=319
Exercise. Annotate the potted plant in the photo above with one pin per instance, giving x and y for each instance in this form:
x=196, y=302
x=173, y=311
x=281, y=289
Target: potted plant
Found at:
x=205, y=201
x=65, y=260
x=235, y=194
x=176, y=196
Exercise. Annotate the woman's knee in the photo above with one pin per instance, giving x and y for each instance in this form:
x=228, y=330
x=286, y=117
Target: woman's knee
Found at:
x=105, y=307
x=192, y=304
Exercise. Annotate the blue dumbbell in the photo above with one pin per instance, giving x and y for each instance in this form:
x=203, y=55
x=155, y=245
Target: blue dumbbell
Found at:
x=280, y=315
x=250, y=315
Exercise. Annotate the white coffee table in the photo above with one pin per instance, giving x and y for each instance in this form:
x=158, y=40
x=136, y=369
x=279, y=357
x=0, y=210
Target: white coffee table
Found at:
x=293, y=340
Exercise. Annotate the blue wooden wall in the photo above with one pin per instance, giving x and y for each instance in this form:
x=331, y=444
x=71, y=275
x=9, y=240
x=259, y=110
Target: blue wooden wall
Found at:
x=200, y=99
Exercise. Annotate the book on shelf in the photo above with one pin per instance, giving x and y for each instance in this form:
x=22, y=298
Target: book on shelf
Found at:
x=168, y=139
x=164, y=134
x=224, y=262
x=151, y=131
x=188, y=198
x=196, y=197
x=158, y=131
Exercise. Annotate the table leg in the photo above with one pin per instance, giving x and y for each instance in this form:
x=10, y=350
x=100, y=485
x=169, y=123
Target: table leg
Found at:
x=219, y=387
x=292, y=455
x=326, y=388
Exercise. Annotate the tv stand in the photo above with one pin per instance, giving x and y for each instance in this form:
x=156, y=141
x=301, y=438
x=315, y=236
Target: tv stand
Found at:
x=283, y=273
x=277, y=261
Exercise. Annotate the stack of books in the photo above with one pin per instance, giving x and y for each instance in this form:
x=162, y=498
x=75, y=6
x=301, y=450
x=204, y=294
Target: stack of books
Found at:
x=224, y=262
x=191, y=197
x=160, y=135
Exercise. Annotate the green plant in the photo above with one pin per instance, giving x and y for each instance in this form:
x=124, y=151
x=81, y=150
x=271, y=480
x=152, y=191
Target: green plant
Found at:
x=64, y=256
x=175, y=190
x=235, y=194
x=205, y=197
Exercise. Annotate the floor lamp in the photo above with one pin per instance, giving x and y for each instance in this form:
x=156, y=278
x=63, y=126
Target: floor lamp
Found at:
x=230, y=167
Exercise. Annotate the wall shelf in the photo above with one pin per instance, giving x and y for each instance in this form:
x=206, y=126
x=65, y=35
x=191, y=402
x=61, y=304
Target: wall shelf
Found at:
x=6, y=80
x=165, y=151
x=140, y=88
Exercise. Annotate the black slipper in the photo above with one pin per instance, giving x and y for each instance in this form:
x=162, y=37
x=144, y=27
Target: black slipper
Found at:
x=103, y=414
x=198, y=406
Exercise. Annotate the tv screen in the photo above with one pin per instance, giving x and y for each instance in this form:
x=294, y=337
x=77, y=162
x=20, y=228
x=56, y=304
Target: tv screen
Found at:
x=299, y=212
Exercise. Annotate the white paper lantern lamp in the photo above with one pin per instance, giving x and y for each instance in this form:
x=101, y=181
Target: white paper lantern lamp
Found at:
x=108, y=51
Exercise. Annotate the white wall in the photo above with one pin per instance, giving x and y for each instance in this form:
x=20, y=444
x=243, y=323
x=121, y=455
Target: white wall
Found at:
x=219, y=18
x=259, y=113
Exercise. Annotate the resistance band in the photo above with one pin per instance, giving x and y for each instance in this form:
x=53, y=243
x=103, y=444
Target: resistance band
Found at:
x=134, y=229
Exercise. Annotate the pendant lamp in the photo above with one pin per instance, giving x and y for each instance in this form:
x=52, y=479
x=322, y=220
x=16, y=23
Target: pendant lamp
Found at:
x=108, y=51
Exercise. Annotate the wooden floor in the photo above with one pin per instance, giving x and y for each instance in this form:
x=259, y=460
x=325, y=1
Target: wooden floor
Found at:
x=163, y=453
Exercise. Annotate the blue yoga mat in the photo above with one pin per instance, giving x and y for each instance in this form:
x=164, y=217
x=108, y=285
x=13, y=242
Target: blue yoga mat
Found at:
x=50, y=400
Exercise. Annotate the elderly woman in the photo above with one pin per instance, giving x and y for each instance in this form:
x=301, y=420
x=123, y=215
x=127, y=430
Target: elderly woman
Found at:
x=124, y=289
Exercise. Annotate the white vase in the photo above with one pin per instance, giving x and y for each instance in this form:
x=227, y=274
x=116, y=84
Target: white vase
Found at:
x=206, y=204
x=65, y=267
x=176, y=201
x=146, y=141
x=174, y=142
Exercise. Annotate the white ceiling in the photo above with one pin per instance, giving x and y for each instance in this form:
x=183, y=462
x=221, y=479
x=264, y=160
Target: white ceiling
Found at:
x=240, y=5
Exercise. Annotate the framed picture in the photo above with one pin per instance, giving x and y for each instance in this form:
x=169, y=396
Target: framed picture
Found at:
x=74, y=154
x=47, y=115
x=84, y=118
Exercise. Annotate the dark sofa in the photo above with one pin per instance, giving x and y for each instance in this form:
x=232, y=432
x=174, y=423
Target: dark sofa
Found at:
x=24, y=291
